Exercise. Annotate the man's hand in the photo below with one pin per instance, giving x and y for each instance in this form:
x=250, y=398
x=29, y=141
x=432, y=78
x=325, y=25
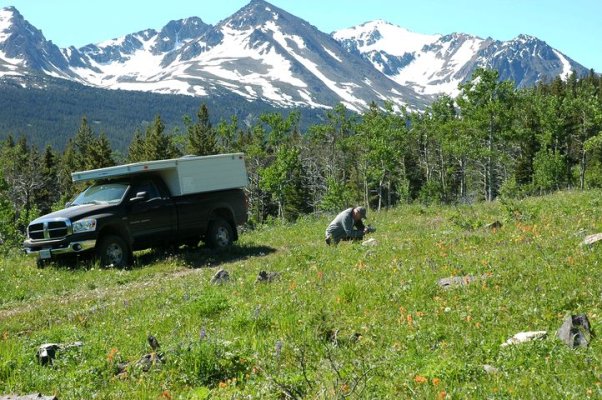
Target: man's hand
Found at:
x=369, y=229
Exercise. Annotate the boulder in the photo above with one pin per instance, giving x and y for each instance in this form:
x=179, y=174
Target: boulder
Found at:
x=575, y=331
x=221, y=276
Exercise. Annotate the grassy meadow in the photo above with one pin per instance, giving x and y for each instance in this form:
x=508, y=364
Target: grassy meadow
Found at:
x=338, y=322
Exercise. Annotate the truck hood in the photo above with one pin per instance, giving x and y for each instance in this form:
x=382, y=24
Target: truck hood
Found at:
x=75, y=212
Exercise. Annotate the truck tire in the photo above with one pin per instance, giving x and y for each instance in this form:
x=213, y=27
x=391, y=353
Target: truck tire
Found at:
x=219, y=234
x=113, y=251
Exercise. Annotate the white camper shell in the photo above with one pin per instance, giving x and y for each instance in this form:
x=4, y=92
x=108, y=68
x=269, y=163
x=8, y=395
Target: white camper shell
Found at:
x=185, y=175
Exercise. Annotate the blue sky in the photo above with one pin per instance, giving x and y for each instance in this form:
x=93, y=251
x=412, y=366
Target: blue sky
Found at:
x=572, y=27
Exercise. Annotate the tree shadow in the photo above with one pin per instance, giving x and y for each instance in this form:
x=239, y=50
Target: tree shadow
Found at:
x=201, y=256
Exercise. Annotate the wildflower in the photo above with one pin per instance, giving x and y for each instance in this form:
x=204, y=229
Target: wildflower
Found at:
x=420, y=379
x=112, y=353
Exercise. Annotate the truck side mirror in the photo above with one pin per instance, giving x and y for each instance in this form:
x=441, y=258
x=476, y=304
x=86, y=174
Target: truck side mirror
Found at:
x=140, y=196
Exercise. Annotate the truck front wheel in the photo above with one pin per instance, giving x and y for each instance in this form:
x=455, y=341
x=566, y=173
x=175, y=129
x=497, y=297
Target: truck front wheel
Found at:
x=113, y=250
x=219, y=234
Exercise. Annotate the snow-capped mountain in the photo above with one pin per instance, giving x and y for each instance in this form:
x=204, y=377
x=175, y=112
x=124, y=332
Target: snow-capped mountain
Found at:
x=260, y=52
x=23, y=47
x=435, y=64
x=264, y=53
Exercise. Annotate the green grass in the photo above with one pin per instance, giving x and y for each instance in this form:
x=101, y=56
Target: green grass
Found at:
x=346, y=321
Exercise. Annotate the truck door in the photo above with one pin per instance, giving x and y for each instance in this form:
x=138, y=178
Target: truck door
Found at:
x=152, y=216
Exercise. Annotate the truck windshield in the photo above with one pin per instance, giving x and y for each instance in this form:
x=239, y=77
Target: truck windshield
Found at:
x=106, y=193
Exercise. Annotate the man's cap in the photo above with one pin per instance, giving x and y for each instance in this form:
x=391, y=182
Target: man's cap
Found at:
x=361, y=211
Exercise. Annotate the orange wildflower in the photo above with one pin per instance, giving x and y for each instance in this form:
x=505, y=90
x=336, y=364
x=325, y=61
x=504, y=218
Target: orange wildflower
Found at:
x=112, y=353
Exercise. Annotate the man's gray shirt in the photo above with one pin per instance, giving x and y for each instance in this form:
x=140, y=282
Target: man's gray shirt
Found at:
x=342, y=227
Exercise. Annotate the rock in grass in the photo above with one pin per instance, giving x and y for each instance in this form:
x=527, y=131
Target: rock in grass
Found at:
x=268, y=277
x=47, y=353
x=575, y=331
x=494, y=225
x=456, y=281
x=490, y=369
x=370, y=242
x=591, y=239
x=523, y=337
x=221, y=276
x=153, y=342
x=147, y=361
x=35, y=396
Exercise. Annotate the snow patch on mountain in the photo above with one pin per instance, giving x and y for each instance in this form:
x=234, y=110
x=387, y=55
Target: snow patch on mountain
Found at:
x=383, y=36
x=566, y=65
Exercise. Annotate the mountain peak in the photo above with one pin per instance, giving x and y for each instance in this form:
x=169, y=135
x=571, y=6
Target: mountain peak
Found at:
x=8, y=16
x=254, y=14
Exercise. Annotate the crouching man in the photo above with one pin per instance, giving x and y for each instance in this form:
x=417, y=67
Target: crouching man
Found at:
x=347, y=225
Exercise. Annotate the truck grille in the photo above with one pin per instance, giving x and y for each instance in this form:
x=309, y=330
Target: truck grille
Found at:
x=48, y=230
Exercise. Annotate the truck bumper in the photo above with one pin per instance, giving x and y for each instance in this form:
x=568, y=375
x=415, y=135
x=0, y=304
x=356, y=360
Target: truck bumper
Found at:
x=40, y=251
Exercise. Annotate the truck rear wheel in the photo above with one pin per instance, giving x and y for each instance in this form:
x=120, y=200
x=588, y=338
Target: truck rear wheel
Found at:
x=113, y=251
x=219, y=234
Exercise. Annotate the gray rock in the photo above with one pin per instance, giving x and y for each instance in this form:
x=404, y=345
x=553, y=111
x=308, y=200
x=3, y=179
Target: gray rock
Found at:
x=494, y=225
x=35, y=396
x=221, y=276
x=48, y=351
x=370, y=242
x=153, y=342
x=147, y=361
x=490, y=369
x=575, y=331
x=265, y=276
x=523, y=337
x=457, y=281
x=591, y=239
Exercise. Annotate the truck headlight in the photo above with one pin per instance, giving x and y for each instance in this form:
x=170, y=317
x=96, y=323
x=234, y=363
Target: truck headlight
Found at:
x=84, y=225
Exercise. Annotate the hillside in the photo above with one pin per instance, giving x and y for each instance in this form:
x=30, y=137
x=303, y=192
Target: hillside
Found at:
x=347, y=321
x=50, y=111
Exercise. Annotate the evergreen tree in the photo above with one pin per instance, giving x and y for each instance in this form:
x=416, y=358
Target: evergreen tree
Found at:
x=158, y=145
x=102, y=154
x=84, y=143
x=201, y=135
x=136, y=150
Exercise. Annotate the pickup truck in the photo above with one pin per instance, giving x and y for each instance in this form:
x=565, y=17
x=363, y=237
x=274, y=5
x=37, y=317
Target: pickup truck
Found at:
x=131, y=208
